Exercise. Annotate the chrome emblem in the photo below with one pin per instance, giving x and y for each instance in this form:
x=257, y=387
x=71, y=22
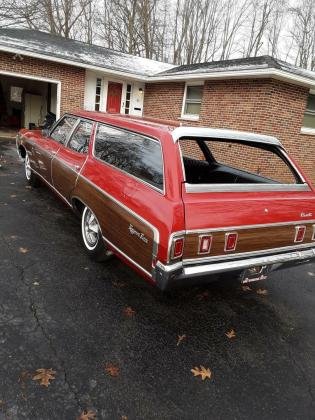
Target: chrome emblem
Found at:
x=306, y=214
x=135, y=232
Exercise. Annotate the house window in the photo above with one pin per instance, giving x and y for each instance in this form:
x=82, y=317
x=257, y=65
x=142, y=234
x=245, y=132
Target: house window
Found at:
x=309, y=115
x=98, y=94
x=128, y=97
x=192, y=100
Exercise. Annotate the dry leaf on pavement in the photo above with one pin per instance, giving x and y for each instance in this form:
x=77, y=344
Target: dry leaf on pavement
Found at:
x=231, y=334
x=23, y=250
x=246, y=288
x=44, y=376
x=203, y=296
x=129, y=312
x=87, y=415
x=202, y=371
x=124, y=418
x=180, y=339
x=112, y=370
x=262, y=292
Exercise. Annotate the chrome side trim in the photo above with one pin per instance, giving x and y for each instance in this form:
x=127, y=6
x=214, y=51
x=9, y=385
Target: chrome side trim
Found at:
x=250, y=262
x=126, y=256
x=203, y=188
x=198, y=261
x=257, y=226
x=156, y=233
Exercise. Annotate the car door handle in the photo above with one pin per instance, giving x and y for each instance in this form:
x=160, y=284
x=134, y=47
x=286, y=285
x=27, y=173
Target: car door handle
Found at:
x=77, y=167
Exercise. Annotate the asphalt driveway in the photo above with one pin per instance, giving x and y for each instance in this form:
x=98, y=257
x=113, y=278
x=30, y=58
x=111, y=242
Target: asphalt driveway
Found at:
x=113, y=340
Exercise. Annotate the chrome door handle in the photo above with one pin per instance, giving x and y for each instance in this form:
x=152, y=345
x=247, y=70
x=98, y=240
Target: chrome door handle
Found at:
x=77, y=167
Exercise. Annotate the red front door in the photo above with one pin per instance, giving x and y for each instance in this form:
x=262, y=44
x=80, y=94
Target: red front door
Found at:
x=114, y=97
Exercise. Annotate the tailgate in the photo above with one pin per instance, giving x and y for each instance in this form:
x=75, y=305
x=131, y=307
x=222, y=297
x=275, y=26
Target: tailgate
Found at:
x=231, y=224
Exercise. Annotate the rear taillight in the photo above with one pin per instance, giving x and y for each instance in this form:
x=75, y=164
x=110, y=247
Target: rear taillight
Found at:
x=230, y=241
x=299, y=233
x=205, y=242
x=177, y=248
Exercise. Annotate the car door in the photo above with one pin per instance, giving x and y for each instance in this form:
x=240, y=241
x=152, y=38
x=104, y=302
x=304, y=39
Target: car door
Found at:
x=70, y=158
x=47, y=147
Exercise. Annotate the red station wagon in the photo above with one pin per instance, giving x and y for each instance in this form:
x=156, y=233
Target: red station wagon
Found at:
x=178, y=204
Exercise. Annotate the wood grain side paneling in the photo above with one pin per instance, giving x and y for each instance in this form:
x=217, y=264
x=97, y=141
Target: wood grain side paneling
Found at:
x=129, y=234
x=249, y=240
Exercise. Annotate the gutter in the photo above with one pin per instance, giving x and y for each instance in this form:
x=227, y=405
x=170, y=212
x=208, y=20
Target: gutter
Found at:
x=241, y=74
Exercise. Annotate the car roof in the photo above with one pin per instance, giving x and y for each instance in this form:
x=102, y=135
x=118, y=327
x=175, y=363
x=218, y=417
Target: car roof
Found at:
x=155, y=127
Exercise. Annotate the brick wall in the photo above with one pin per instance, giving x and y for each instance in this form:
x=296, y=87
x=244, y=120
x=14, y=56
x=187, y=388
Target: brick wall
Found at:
x=72, y=78
x=264, y=106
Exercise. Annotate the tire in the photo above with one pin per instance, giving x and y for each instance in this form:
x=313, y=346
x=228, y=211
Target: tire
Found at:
x=92, y=237
x=31, y=178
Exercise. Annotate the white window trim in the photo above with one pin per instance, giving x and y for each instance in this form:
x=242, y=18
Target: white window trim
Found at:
x=190, y=117
x=307, y=130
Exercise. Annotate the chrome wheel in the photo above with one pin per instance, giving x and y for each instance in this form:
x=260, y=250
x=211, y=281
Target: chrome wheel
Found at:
x=90, y=229
x=28, y=171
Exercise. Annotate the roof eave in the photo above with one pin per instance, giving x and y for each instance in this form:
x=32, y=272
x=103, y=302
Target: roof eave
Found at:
x=241, y=74
x=22, y=52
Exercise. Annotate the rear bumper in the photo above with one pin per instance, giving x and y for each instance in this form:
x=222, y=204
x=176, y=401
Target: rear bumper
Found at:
x=179, y=274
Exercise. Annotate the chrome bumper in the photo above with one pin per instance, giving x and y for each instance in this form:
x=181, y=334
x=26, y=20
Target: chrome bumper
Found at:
x=179, y=273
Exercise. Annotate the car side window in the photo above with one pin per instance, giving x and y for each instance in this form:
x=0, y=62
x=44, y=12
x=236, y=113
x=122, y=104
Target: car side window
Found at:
x=79, y=140
x=133, y=153
x=63, y=129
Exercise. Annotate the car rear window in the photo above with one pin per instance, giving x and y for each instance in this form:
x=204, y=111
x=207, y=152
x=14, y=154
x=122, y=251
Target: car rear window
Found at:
x=232, y=162
x=133, y=153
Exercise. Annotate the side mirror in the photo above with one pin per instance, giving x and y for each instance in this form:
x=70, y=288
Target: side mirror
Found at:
x=45, y=132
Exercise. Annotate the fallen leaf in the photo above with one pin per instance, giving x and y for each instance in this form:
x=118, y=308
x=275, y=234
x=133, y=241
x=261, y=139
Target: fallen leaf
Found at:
x=28, y=187
x=231, y=334
x=262, y=292
x=203, y=296
x=44, y=376
x=13, y=195
x=129, y=312
x=23, y=250
x=13, y=236
x=87, y=415
x=36, y=283
x=180, y=339
x=311, y=274
x=118, y=284
x=202, y=371
x=86, y=268
x=25, y=375
x=124, y=418
x=112, y=370
x=246, y=288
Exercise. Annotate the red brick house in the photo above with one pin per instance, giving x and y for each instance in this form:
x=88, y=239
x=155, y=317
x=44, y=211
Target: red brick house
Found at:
x=40, y=72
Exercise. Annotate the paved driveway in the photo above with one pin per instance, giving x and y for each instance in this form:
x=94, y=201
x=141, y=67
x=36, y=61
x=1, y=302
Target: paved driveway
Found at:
x=60, y=311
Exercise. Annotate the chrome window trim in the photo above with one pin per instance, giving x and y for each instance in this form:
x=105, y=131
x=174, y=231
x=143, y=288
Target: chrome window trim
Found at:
x=159, y=190
x=74, y=129
x=156, y=233
x=71, y=131
x=218, y=133
x=204, y=188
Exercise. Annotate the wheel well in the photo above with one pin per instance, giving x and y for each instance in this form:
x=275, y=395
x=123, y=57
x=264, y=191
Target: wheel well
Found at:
x=78, y=206
x=22, y=152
